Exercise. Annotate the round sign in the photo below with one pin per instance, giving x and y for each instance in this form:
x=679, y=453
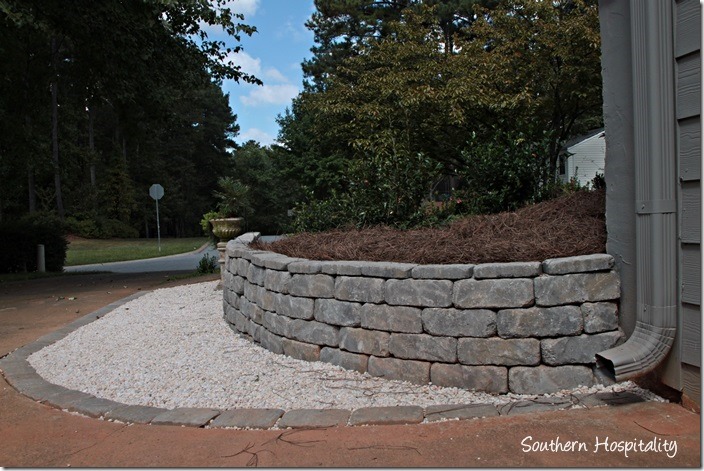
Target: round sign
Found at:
x=156, y=191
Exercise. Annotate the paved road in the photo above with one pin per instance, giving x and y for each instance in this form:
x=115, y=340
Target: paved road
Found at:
x=186, y=262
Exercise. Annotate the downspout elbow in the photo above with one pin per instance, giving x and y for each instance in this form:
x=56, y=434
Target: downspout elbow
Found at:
x=642, y=352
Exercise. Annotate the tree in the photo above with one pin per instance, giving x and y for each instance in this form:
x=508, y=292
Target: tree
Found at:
x=122, y=76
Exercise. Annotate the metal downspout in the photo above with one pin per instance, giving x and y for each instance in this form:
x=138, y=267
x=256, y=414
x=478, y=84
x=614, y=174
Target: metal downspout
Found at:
x=655, y=187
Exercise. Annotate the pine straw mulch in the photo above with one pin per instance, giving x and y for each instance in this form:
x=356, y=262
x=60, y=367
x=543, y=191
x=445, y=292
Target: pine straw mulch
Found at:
x=566, y=226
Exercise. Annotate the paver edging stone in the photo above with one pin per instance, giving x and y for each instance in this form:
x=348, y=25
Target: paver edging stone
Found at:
x=21, y=376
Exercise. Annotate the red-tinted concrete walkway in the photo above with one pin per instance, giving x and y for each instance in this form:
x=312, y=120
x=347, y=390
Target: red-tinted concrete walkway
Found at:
x=35, y=435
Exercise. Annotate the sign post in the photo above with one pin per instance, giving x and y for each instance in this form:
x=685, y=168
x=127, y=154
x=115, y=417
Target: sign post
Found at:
x=156, y=191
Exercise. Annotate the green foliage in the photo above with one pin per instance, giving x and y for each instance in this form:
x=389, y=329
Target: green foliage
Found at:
x=140, y=107
x=504, y=173
x=24, y=235
x=401, y=93
x=271, y=193
x=233, y=197
x=97, y=227
x=207, y=264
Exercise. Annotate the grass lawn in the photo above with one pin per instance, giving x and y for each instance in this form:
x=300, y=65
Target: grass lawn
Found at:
x=88, y=251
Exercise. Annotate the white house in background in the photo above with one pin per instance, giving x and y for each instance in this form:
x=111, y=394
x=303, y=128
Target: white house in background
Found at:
x=583, y=157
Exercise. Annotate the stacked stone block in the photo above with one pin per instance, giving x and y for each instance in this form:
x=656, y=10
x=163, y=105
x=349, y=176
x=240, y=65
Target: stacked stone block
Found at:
x=523, y=327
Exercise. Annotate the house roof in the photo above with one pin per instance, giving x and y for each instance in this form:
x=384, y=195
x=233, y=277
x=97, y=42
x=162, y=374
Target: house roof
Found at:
x=583, y=137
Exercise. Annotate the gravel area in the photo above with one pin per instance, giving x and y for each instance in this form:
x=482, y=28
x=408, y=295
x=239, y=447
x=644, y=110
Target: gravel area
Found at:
x=171, y=348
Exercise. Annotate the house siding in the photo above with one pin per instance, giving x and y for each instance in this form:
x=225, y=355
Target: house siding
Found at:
x=687, y=34
x=587, y=159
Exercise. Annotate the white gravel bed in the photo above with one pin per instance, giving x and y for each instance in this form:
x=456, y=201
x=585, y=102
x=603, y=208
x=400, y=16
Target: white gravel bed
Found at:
x=171, y=348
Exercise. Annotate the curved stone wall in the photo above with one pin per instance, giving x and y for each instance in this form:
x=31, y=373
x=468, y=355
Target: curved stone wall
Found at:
x=523, y=327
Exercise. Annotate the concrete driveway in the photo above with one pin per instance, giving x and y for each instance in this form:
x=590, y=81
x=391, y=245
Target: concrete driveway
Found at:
x=185, y=262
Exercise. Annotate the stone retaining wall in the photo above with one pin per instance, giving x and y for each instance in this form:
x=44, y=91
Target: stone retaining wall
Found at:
x=523, y=327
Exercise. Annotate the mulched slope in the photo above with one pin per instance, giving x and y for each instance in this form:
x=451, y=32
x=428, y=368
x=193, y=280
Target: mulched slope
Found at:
x=566, y=226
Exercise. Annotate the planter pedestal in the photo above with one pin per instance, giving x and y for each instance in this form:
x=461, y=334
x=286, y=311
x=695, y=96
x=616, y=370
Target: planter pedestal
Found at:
x=225, y=229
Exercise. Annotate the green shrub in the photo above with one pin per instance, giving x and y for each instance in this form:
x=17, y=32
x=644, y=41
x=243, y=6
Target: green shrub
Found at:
x=207, y=264
x=22, y=237
x=99, y=228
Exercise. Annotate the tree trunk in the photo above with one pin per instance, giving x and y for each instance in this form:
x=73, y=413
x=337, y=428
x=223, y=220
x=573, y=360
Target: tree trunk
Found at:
x=91, y=144
x=31, y=189
x=55, y=127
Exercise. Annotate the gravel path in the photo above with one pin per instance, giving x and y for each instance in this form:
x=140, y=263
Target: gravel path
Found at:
x=171, y=348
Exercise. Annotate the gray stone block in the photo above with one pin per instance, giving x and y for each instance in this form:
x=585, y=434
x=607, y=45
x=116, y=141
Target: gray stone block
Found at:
x=491, y=379
x=599, y=317
x=271, y=342
x=539, y=322
x=251, y=311
x=314, y=332
x=242, y=267
x=294, y=307
x=397, y=415
x=443, y=272
x=363, y=290
x=459, y=322
x=312, y=286
x=421, y=293
x=251, y=292
x=273, y=261
x=370, y=342
x=342, y=267
x=578, y=264
x=300, y=350
x=507, y=270
x=277, y=281
x=538, y=405
x=493, y=294
x=256, y=275
x=246, y=238
x=392, y=318
x=577, y=288
x=188, y=416
x=135, y=414
x=459, y=411
x=496, y=351
x=579, y=349
x=417, y=372
x=251, y=253
x=267, y=299
x=616, y=398
x=63, y=398
x=93, y=406
x=332, y=311
x=423, y=347
x=276, y=324
x=387, y=269
x=314, y=418
x=237, y=284
x=305, y=267
x=548, y=379
x=346, y=360
x=247, y=418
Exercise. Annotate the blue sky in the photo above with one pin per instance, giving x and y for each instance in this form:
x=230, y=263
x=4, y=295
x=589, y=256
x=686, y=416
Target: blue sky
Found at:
x=274, y=55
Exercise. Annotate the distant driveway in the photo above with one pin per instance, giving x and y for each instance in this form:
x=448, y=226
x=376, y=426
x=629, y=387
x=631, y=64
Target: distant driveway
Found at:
x=186, y=262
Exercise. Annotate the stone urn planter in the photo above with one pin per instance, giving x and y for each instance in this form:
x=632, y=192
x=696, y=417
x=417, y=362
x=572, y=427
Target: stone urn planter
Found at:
x=225, y=229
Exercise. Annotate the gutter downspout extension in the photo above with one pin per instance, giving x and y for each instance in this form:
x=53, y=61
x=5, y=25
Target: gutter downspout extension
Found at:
x=656, y=197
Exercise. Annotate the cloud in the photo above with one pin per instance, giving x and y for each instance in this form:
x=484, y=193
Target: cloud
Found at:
x=250, y=65
x=270, y=95
x=275, y=76
x=295, y=31
x=258, y=135
x=253, y=66
x=246, y=7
